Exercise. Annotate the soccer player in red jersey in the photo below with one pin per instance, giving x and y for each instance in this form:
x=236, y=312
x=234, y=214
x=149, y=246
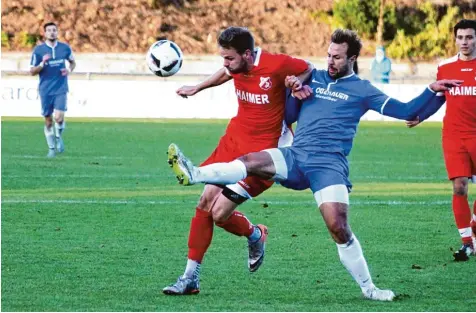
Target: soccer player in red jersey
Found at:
x=459, y=131
x=259, y=83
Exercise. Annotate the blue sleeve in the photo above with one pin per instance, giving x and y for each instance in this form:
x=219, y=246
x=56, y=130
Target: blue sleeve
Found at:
x=292, y=108
x=35, y=58
x=380, y=102
x=433, y=106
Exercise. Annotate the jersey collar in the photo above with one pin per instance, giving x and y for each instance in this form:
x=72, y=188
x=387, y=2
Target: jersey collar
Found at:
x=341, y=78
x=258, y=56
x=56, y=43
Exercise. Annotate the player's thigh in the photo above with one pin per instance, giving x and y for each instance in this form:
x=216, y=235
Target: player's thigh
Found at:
x=47, y=105
x=60, y=103
x=457, y=159
x=288, y=173
x=225, y=151
x=209, y=196
x=470, y=145
x=223, y=208
x=327, y=169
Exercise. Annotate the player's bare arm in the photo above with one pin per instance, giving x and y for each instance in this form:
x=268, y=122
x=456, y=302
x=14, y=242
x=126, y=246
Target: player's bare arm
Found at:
x=67, y=71
x=304, y=75
x=445, y=84
x=220, y=77
x=35, y=70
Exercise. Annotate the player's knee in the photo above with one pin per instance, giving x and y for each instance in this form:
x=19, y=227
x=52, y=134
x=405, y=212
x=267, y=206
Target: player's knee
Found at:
x=206, y=203
x=259, y=164
x=340, y=232
x=460, y=186
x=220, y=214
x=48, y=120
x=59, y=119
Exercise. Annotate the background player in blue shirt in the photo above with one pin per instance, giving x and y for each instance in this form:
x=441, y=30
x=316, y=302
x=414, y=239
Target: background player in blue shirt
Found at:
x=49, y=61
x=317, y=159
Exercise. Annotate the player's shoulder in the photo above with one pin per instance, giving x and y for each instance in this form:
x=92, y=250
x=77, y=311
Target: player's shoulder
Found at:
x=267, y=58
x=63, y=45
x=448, y=62
x=39, y=47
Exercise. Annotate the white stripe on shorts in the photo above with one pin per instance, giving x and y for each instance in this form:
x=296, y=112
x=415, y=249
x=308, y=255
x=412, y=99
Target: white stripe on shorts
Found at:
x=333, y=193
x=279, y=163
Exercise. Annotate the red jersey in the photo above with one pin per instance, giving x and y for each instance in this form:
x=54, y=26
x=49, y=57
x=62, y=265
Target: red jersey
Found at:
x=460, y=117
x=261, y=98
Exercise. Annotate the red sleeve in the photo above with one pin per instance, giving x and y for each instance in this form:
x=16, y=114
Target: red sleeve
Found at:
x=292, y=66
x=439, y=74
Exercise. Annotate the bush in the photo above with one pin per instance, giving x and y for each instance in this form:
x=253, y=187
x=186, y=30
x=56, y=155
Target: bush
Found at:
x=362, y=16
x=5, y=40
x=27, y=40
x=435, y=40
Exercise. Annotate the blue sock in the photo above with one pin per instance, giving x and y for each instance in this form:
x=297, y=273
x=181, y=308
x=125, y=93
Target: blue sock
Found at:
x=255, y=235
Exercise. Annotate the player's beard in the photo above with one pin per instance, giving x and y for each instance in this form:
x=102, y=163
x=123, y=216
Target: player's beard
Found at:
x=242, y=68
x=52, y=38
x=340, y=72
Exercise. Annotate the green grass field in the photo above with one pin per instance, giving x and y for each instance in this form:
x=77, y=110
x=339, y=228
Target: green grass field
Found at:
x=104, y=226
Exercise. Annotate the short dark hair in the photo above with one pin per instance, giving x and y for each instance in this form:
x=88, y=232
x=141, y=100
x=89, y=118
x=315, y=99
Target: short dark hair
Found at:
x=464, y=24
x=350, y=37
x=238, y=38
x=49, y=24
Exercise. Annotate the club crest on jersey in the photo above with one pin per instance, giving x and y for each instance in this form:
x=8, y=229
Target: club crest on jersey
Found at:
x=265, y=83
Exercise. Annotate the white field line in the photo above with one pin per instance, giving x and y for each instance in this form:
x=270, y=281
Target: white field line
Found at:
x=92, y=157
x=110, y=157
x=160, y=202
x=6, y=176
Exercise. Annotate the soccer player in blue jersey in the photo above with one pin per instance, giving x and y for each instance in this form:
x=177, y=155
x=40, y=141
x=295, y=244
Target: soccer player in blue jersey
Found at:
x=49, y=61
x=317, y=159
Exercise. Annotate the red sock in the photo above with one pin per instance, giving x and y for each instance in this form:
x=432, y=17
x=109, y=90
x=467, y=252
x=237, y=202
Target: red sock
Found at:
x=462, y=214
x=200, y=237
x=237, y=224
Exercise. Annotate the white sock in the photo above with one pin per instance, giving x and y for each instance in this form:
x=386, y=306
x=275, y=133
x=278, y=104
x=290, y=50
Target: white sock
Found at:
x=353, y=260
x=192, y=269
x=59, y=128
x=50, y=137
x=221, y=173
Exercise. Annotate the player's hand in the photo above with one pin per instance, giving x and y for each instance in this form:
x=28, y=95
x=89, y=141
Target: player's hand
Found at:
x=46, y=57
x=304, y=93
x=413, y=123
x=186, y=91
x=64, y=72
x=293, y=82
x=445, y=84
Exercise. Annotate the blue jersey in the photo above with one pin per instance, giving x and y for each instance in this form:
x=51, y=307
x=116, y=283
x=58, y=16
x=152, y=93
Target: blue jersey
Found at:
x=51, y=80
x=327, y=121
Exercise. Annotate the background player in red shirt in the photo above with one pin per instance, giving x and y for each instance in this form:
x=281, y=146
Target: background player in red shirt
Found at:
x=459, y=130
x=259, y=85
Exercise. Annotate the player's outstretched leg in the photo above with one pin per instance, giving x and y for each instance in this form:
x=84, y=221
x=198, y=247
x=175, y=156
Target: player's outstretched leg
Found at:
x=181, y=165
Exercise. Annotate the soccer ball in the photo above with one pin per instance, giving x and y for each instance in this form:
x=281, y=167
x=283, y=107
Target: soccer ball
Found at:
x=164, y=58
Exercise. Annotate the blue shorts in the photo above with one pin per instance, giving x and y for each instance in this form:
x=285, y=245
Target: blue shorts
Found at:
x=301, y=170
x=53, y=102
